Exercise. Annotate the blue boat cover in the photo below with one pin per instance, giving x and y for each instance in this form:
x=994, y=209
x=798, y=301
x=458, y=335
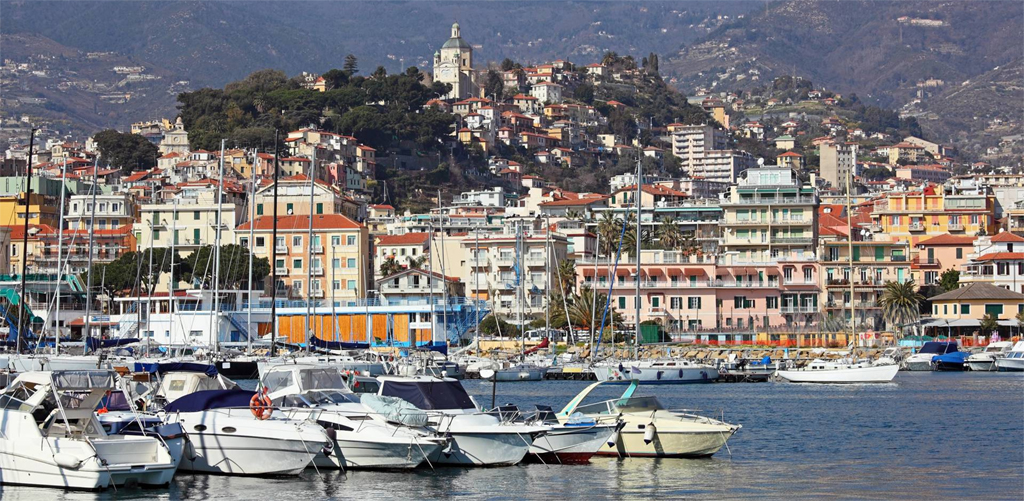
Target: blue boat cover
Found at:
x=94, y=344
x=163, y=368
x=939, y=348
x=210, y=399
x=956, y=357
x=336, y=345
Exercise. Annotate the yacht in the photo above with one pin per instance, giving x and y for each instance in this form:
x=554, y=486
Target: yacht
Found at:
x=477, y=438
x=52, y=438
x=362, y=438
x=924, y=358
x=840, y=372
x=1012, y=361
x=668, y=371
x=986, y=360
x=650, y=430
x=230, y=438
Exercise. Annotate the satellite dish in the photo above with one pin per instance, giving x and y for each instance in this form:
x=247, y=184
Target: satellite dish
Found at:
x=760, y=162
x=486, y=373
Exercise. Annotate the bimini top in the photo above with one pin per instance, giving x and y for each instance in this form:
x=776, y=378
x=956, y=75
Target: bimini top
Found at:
x=165, y=367
x=70, y=380
x=439, y=394
x=211, y=399
x=939, y=348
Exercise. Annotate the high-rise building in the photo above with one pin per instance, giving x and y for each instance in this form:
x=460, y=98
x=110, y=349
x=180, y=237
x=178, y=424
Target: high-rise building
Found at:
x=837, y=160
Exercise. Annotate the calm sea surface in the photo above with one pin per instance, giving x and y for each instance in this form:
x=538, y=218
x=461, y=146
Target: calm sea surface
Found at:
x=925, y=436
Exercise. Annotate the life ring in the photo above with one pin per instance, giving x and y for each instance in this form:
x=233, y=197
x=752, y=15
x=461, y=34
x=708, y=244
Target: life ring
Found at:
x=261, y=405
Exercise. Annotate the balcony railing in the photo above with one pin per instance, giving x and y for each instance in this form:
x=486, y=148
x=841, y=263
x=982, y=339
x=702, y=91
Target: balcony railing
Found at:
x=955, y=226
x=281, y=271
x=281, y=249
x=791, y=240
x=771, y=200
x=798, y=309
x=916, y=227
x=317, y=272
x=317, y=249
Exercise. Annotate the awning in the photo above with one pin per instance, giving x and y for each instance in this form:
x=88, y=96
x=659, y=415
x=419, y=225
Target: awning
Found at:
x=694, y=272
x=624, y=271
x=588, y=272
x=675, y=271
x=654, y=271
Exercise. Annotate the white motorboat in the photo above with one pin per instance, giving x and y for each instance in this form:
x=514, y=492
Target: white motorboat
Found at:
x=477, y=438
x=986, y=360
x=520, y=372
x=650, y=430
x=52, y=438
x=923, y=360
x=572, y=442
x=840, y=372
x=30, y=363
x=362, y=437
x=366, y=364
x=668, y=371
x=1012, y=361
x=229, y=438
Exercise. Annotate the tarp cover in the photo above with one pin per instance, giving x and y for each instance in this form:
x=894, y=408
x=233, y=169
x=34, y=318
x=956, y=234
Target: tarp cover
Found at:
x=163, y=368
x=95, y=344
x=210, y=399
x=394, y=409
x=83, y=380
x=939, y=348
x=429, y=395
x=336, y=345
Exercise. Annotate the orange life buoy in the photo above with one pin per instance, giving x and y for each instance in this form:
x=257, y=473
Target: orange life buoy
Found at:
x=261, y=405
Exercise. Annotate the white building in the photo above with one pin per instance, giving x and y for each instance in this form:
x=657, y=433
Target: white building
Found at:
x=838, y=160
x=547, y=92
x=453, y=65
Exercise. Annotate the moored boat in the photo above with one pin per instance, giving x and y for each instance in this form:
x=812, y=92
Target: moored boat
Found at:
x=839, y=372
x=986, y=360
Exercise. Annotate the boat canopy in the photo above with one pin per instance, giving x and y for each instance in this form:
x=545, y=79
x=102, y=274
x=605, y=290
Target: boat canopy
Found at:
x=211, y=399
x=82, y=380
x=94, y=344
x=163, y=368
x=939, y=348
x=430, y=395
x=336, y=345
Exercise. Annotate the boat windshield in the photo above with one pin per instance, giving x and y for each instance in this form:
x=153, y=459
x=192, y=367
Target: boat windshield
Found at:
x=321, y=379
x=430, y=395
x=326, y=397
x=632, y=404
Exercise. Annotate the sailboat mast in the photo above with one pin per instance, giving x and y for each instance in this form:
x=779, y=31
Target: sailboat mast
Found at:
x=273, y=254
x=60, y=255
x=92, y=226
x=547, y=279
x=215, y=314
x=24, y=242
x=849, y=243
x=639, y=195
x=444, y=285
x=593, y=293
x=521, y=293
x=252, y=229
x=309, y=253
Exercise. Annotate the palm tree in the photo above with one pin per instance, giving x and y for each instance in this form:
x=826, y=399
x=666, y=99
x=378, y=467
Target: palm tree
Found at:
x=608, y=227
x=581, y=306
x=900, y=303
x=574, y=215
x=669, y=235
x=389, y=267
x=566, y=271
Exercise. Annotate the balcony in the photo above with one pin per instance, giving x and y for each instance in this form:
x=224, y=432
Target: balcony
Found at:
x=955, y=226
x=535, y=260
x=916, y=227
x=925, y=263
x=281, y=272
x=759, y=200
x=317, y=293
x=875, y=227
x=317, y=272
x=317, y=249
x=281, y=249
x=799, y=281
x=506, y=260
x=798, y=309
x=792, y=240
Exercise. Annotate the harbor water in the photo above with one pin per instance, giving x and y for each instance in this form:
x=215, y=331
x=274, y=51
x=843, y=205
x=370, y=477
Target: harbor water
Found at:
x=924, y=436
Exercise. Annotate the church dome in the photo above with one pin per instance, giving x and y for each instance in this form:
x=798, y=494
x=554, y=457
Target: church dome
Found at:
x=456, y=43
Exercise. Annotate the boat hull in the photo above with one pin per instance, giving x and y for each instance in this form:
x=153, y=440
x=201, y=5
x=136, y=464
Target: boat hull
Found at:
x=512, y=375
x=1010, y=364
x=483, y=449
x=682, y=444
x=24, y=464
x=920, y=365
x=646, y=376
x=570, y=445
x=871, y=374
x=982, y=366
x=357, y=454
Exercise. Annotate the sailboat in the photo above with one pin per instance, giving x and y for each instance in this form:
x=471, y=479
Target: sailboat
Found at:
x=521, y=371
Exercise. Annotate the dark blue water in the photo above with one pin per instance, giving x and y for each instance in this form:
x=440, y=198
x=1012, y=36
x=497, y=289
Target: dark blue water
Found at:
x=925, y=436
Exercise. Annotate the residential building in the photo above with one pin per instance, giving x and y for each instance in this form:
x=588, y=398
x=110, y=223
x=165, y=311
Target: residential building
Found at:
x=188, y=219
x=723, y=166
x=409, y=250
x=547, y=92
x=790, y=160
x=927, y=173
x=919, y=215
x=838, y=162
x=860, y=284
x=968, y=305
x=907, y=152
x=293, y=198
x=418, y=285
x=335, y=255
x=938, y=254
x=110, y=211
x=691, y=140
x=996, y=260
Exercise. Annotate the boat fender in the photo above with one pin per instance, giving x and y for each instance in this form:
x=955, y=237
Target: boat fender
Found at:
x=659, y=375
x=68, y=461
x=649, y=433
x=680, y=374
x=331, y=434
x=614, y=439
x=329, y=446
x=704, y=374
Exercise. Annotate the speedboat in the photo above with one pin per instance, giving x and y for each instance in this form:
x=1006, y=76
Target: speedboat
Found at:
x=572, y=442
x=1012, y=361
x=477, y=438
x=924, y=358
x=520, y=372
x=840, y=372
x=650, y=430
x=952, y=361
x=666, y=371
x=231, y=438
x=52, y=438
x=986, y=360
x=362, y=438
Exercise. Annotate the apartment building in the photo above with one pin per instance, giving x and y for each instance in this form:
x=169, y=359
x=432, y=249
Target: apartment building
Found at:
x=938, y=254
x=996, y=260
x=837, y=161
x=406, y=250
x=329, y=263
x=293, y=198
x=187, y=219
x=111, y=211
x=873, y=265
x=919, y=215
x=691, y=140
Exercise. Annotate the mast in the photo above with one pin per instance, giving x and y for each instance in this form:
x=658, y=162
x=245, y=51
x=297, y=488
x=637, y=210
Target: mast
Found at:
x=309, y=255
x=593, y=292
x=547, y=280
x=215, y=314
x=430, y=280
x=24, y=242
x=92, y=227
x=60, y=255
x=444, y=286
x=252, y=228
x=849, y=243
x=273, y=255
x=639, y=197
x=522, y=291
x=476, y=280
x=171, y=305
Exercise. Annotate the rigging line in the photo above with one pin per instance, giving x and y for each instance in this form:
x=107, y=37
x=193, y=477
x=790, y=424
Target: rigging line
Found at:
x=611, y=287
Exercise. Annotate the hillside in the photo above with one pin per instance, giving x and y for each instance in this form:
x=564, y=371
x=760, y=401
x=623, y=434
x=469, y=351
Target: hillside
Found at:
x=889, y=53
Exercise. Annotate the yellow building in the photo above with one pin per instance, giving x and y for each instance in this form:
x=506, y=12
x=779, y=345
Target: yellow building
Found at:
x=905, y=151
x=41, y=210
x=974, y=302
x=919, y=215
x=293, y=198
x=334, y=261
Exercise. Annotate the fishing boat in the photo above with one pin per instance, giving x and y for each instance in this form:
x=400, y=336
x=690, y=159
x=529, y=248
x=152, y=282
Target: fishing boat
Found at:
x=650, y=429
x=52, y=438
x=1012, y=361
x=667, y=371
x=840, y=372
x=362, y=437
x=477, y=438
x=986, y=359
x=923, y=360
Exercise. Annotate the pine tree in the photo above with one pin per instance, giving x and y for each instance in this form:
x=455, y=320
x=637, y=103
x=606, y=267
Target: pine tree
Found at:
x=351, y=65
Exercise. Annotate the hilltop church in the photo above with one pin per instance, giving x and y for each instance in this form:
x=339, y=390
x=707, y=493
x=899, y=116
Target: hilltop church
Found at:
x=453, y=65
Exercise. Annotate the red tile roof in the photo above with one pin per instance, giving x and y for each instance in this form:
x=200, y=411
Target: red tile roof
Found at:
x=1007, y=237
x=407, y=239
x=947, y=239
x=301, y=222
x=1002, y=256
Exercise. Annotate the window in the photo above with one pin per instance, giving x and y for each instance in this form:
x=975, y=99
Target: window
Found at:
x=14, y=250
x=622, y=303
x=156, y=235
x=195, y=215
x=772, y=302
x=195, y=333
x=739, y=302
x=176, y=238
x=279, y=263
x=336, y=263
x=959, y=253
x=808, y=275
x=195, y=236
x=290, y=209
x=352, y=285
x=260, y=241
x=259, y=209
x=351, y=263
x=965, y=309
x=336, y=285
x=296, y=264
x=244, y=241
x=297, y=284
x=655, y=302
x=993, y=309
x=320, y=208
x=350, y=240
x=945, y=309
x=335, y=241
x=675, y=303
x=296, y=241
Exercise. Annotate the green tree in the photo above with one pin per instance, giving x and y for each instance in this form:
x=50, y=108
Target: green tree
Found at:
x=669, y=235
x=390, y=266
x=507, y=64
x=989, y=324
x=582, y=312
x=495, y=85
x=351, y=65
x=126, y=151
x=335, y=78
x=900, y=303
x=949, y=280
x=491, y=325
x=566, y=274
x=584, y=93
x=233, y=269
